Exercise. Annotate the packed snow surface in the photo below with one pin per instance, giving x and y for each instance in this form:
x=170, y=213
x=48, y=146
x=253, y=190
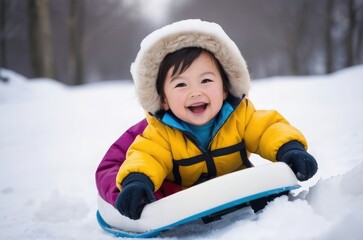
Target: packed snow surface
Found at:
x=54, y=136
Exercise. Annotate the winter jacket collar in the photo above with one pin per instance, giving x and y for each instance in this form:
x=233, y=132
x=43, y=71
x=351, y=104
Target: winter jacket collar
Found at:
x=228, y=107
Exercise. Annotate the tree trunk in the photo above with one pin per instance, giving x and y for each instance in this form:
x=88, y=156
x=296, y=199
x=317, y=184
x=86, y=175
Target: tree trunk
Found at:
x=2, y=35
x=40, y=39
x=2, y=40
x=350, y=34
x=75, y=63
x=328, y=38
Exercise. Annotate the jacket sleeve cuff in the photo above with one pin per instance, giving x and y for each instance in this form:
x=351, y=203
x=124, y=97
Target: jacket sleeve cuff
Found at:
x=137, y=177
x=293, y=145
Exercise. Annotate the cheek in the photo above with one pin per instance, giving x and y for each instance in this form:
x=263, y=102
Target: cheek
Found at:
x=174, y=102
x=218, y=93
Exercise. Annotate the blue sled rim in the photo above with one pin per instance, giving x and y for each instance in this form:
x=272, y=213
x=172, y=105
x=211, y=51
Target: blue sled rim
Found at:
x=152, y=233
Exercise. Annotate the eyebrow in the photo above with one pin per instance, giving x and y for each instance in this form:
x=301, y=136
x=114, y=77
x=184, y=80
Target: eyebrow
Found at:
x=175, y=78
x=208, y=73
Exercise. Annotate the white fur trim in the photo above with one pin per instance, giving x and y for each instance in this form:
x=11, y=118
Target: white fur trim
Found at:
x=178, y=35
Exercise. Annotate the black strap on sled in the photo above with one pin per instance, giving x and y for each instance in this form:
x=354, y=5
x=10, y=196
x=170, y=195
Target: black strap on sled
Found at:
x=218, y=215
x=257, y=205
x=208, y=157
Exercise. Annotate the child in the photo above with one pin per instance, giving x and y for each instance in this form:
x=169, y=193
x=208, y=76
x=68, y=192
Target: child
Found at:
x=193, y=82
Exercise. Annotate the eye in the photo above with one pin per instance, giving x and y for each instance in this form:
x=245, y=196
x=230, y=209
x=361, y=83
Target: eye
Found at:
x=207, y=80
x=179, y=85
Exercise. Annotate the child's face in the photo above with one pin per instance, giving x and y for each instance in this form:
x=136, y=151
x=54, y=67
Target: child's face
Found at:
x=196, y=95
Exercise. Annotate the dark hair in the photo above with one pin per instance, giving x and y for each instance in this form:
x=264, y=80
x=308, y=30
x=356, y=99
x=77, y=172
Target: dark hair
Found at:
x=181, y=61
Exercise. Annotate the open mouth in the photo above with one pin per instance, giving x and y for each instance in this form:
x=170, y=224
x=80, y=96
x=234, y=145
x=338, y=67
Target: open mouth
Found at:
x=198, y=107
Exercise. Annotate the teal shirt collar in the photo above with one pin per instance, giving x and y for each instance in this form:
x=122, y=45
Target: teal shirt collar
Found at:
x=202, y=134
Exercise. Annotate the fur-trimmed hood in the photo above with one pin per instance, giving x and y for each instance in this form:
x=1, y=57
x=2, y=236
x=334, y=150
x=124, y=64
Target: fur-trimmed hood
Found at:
x=182, y=34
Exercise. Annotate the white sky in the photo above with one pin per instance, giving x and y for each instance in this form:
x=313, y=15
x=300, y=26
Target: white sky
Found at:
x=154, y=11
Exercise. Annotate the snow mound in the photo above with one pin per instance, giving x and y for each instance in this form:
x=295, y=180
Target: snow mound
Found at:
x=17, y=88
x=54, y=136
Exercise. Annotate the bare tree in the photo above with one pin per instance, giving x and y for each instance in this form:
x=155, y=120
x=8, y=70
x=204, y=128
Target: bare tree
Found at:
x=328, y=39
x=340, y=35
x=40, y=39
x=350, y=35
x=359, y=34
x=75, y=28
x=296, y=29
x=97, y=40
x=2, y=37
x=357, y=31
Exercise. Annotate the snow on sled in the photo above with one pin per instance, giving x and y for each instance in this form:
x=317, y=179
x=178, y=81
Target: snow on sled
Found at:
x=218, y=195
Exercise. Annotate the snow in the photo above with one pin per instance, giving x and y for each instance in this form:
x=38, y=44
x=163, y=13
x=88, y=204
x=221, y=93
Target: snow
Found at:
x=54, y=136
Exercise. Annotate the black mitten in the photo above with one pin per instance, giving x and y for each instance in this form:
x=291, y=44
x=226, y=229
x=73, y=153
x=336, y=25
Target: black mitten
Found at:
x=301, y=162
x=137, y=191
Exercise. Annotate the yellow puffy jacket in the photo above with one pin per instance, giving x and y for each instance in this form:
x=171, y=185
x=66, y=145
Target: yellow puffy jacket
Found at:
x=166, y=152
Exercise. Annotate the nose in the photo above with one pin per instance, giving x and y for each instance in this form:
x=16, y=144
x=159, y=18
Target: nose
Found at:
x=195, y=90
x=195, y=93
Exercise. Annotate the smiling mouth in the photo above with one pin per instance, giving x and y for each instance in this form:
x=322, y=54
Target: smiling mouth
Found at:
x=198, y=108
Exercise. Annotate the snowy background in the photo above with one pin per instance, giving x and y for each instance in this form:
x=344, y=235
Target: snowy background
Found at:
x=52, y=138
